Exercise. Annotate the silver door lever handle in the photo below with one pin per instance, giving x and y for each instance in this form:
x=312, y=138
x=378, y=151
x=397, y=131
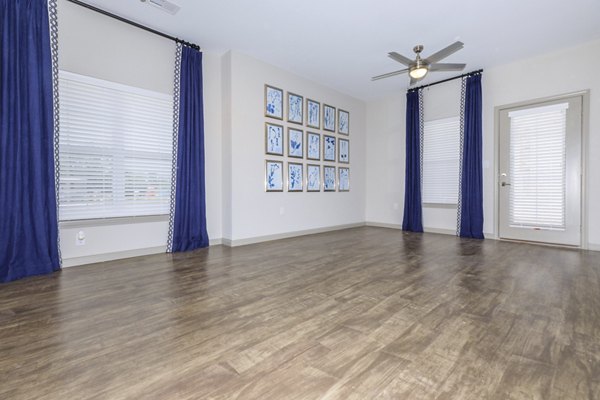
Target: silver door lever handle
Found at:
x=505, y=184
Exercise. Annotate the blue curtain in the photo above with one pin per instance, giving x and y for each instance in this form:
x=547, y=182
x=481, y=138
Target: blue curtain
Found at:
x=471, y=219
x=189, y=224
x=28, y=217
x=412, y=183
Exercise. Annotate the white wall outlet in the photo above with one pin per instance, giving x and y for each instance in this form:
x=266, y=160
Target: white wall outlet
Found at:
x=80, y=238
x=281, y=210
x=395, y=206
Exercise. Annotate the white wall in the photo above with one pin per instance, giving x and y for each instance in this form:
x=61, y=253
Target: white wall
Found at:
x=94, y=45
x=255, y=213
x=537, y=77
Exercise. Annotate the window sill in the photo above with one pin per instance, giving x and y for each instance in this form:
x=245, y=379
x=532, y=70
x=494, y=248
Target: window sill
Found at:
x=81, y=223
x=441, y=205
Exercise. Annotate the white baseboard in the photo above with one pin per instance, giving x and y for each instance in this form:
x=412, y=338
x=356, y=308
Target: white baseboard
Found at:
x=75, y=261
x=593, y=246
x=383, y=225
x=285, y=235
x=117, y=255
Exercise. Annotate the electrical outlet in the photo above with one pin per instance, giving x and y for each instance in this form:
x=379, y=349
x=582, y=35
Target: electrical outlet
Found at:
x=281, y=210
x=80, y=238
x=395, y=206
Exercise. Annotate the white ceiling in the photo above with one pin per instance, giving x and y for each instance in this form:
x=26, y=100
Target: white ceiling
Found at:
x=342, y=43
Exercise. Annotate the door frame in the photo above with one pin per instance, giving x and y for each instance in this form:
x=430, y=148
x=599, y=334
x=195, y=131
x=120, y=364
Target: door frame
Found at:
x=585, y=107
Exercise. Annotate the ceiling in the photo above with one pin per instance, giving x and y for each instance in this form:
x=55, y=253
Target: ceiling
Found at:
x=342, y=43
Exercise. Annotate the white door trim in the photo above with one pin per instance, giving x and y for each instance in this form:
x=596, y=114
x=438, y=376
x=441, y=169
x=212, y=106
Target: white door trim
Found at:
x=585, y=95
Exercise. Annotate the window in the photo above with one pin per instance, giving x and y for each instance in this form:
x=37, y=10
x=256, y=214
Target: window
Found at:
x=441, y=160
x=115, y=149
x=538, y=165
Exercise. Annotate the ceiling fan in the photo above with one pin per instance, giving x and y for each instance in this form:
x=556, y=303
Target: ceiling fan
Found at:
x=419, y=67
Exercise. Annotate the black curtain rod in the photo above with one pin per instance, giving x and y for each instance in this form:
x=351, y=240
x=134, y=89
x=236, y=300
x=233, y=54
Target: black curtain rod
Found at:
x=130, y=22
x=446, y=80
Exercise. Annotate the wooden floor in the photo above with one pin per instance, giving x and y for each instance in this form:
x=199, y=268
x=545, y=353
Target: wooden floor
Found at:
x=365, y=313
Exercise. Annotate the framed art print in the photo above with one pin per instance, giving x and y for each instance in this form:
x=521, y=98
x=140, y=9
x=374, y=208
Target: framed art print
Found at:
x=313, y=114
x=329, y=179
x=295, y=108
x=328, y=148
x=313, y=146
x=313, y=178
x=274, y=139
x=273, y=102
x=343, y=122
x=295, y=143
x=295, y=179
x=344, y=179
x=328, y=118
x=344, y=151
x=274, y=176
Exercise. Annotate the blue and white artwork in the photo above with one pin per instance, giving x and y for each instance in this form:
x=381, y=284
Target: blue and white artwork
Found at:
x=344, y=151
x=274, y=139
x=344, y=179
x=328, y=118
x=294, y=177
x=313, y=178
x=313, y=145
x=295, y=144
x=328, y=148
x=273, y=102
x=343, y=122
x=295, y=108
x=313, y=113
x=274, y=176
x=329, y=179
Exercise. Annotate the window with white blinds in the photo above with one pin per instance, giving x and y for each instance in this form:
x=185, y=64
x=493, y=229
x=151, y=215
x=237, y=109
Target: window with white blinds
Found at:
x=441, y=160
x=115, y=149
x=537, y=167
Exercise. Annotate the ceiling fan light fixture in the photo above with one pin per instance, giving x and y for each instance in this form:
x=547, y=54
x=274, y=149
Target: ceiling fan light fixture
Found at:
x=418, y=72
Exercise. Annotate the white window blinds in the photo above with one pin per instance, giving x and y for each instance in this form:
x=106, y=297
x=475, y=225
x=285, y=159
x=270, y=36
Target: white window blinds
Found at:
x=441, y=155
x=537, y=167
x=115, y=149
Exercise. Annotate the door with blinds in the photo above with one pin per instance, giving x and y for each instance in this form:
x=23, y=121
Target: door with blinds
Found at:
x=540, y=172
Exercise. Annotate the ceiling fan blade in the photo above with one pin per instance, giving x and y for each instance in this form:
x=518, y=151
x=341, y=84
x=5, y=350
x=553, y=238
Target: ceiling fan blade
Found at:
x=400, y=58
x=389, y=74
x=447, y=67
x=445, y=52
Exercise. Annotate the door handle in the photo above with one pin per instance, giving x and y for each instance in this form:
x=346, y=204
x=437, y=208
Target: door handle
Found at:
x=505, y=184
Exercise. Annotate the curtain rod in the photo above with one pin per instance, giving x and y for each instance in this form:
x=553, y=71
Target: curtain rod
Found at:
x=446, y=80
x=130, y=22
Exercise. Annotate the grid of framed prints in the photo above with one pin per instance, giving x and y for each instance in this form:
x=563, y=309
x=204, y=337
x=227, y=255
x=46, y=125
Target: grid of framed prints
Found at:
x=299, y=128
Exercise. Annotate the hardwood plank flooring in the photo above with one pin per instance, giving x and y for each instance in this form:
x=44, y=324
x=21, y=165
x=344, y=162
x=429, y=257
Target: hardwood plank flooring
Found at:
x=365, y=313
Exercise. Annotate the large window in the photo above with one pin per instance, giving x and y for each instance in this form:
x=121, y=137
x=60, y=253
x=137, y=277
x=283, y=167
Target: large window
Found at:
x=115, y=149
x=441, y=160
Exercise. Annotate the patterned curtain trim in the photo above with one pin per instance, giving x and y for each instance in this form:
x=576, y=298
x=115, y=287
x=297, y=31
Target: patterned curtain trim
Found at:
x=53, y=21
x=421, y=136
x=463, y=88
x=176, y=99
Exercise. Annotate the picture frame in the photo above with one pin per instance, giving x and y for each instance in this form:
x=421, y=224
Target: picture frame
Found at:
x=273, y=176
x=343, y=122
x=295, y=143
x=328, y=118
x=329, y=148
x=328, y=179
x=313, y=114
x=313, y=146
x=344, y=179
x=273, y=102
x=295, y=108
x=274, y=140
x=295, y=177
x=344, y=151
x=313, y=178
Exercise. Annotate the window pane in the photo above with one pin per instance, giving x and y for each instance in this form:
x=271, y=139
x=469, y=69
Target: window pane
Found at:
x=115, y=149
x=441, y=152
